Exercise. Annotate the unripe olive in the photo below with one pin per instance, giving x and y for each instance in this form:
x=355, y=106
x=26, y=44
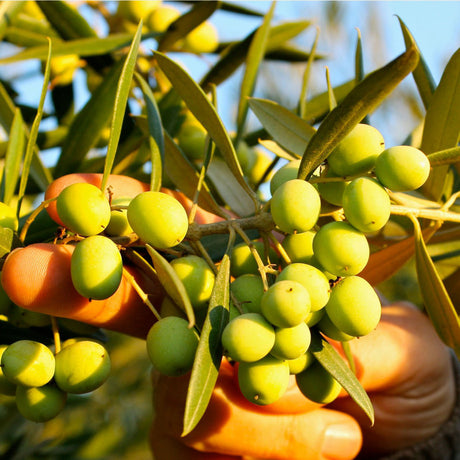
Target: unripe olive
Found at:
x=248, y=290
x=6, y=387
x=40, y=404
x=83, y=209
x=203, y=39
x=158, y=219
x=197, y=278
x=248, y=337
x=8, y=217
x=299, y=246
x=291, y=342
x=332, y=191
x=265, y=381
x=287, y=172
x=317, y=384
x=34, y=318
x=354, y=306
x=260, y=162
x=341, y=249
x=171, y=346
x=135, y=10
x=366, y=204
x=314, y=317
x=298, y=365
x=246, y=157
x=242, y=260
x=118, y=224
x=192, y=140
x=312, y=279
x=82, y=366
x=161, y=18
x=402, y=168
x=329, y=329
x=295, y=206
x=286, y=303
x=357, y=152
x=28, y=363
x=96, y=267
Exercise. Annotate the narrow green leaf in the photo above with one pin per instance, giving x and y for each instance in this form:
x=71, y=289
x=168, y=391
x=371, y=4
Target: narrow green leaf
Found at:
x=13, y=158
x=39, y=173
x=359, y=61
x=66, y=19
x=198, y=103
x=31, y=142
x=121, y=99
x=277, y=150
x=435, y=296
x=172, y=283
x=186, y=23
x=253, y=60
x=87, y=126
x=361, y=100
x=156, y=139
x=228, y=188
x=24, y=38
x=329, y=358
x=306, y=77
x=185, y=177
x=318, y=106
x=93, y=46
x=234, y=53
x=8, y=241
x=330, y=90
x=8, y=10
x=209, y=352
x=445, y=157
x=442, y=124
x=285, y=127
x=236, y=8
x=422, y=75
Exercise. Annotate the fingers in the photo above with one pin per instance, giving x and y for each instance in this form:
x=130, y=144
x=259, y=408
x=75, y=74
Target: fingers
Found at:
x=234, y=428
x=38, y=278
x=119, y=186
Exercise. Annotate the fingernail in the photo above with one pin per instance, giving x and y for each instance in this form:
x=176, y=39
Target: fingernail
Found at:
x=341, y=441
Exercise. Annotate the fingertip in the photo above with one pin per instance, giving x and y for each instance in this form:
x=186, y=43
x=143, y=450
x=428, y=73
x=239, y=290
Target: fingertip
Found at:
x=342, y=441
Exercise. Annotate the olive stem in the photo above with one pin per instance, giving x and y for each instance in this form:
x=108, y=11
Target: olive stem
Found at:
x=33, y=216
x=56, y=335
x=432, y=214
x=141, y=293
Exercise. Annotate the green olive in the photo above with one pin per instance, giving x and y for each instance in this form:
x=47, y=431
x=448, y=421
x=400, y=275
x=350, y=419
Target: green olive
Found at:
x=96, y=267
x=158, y=219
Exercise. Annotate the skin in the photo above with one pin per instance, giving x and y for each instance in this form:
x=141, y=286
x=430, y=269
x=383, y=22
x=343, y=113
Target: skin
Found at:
x=402, y=364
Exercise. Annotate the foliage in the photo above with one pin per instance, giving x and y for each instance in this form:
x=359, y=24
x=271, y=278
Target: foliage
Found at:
x=139, y=97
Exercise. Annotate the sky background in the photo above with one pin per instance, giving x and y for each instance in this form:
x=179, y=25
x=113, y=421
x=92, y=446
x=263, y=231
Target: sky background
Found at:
x=434, y=25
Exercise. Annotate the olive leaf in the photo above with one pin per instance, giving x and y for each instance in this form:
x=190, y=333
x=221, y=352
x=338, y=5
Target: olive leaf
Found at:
x=13, y=158
x=359, y=102
x=422, y=75
x=329, y=358
x=199, y=104
x=442, y=125
x=253, y=60
x=121, y=99
x=172, y=283
x=435, y=296
x=209, y=352
x=286, y=128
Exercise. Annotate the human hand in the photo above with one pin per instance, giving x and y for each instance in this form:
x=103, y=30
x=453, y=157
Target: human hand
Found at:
x=403, y=366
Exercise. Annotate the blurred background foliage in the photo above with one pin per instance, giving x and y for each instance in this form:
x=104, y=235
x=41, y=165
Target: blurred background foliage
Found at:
x=113, y=421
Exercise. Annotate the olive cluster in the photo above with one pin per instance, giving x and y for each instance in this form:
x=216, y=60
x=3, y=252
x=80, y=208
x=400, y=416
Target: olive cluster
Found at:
x=40, y=380
x=96, y=264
